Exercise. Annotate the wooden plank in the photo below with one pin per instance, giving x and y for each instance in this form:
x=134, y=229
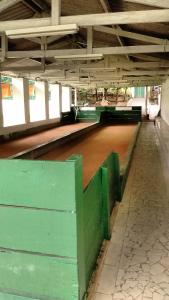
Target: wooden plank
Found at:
x=131, y=35
x=106, y=202
x=80, y=226
x=40, y=184
x=38, y=277
x=39, y=231
x=4, y=296
x=129, y=17
x=83, y=52
x=118, y=18
x=91, y=260
x=112, y=162
x=93, y=222
x=56, y=11
x=89, y=39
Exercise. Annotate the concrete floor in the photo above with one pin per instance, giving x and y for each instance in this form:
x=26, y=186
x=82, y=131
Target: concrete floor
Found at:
x=136, y=265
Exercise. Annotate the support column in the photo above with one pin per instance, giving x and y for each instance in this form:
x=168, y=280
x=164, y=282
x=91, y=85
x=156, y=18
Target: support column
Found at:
x=60, y=99
x=56, y=12
x=26, y=100
x=70, y=95
x=1, y=111
x=4, y=46
x=47, y=100
x=90, y=39
x=146, y=102
x=75, y=96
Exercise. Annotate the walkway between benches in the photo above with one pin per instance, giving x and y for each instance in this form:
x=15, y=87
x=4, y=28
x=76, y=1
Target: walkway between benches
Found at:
x=136, y=265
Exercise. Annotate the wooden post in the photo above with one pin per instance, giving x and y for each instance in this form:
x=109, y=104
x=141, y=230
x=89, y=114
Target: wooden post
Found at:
x=96, y=95
x=26, y=100
x=89, y=40
x=106, y=203
x=75, y=97
x=146, y=101
x=56, y=12
x=46, y=87
x=60, y=99
x=4, y=46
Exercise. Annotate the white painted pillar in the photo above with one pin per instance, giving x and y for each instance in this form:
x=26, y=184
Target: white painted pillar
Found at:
x=146, y=102
x=1, y=111
x=47, y=99
x=60, y=99
x=75, y=96
x=70, y=95
x=26, y=100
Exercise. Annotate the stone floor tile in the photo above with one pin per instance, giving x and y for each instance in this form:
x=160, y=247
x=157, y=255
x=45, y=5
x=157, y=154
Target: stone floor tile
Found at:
x=99, y=296
x=106, y=282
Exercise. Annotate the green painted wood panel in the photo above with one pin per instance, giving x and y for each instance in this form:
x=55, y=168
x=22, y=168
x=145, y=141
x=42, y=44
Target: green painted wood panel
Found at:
x=109, y=114
x=40, y=277
x=113, y=166
x=49, y=232
x=4, y=296
x=41, y=184
x=80, y=226
x=39, y=222
x=91, y=260
x=106, y=202
x=93, y=220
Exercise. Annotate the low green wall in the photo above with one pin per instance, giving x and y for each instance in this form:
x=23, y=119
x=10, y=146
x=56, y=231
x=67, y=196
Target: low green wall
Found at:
x=40, y=243
x=51, y=229
x=88, y=116
x=109, y=114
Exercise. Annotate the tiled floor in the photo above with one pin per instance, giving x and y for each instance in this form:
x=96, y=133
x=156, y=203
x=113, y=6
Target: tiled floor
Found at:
x=136, y=265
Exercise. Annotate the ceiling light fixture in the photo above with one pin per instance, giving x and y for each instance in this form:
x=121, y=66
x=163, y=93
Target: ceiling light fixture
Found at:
x=79, y=57
x=42, y=31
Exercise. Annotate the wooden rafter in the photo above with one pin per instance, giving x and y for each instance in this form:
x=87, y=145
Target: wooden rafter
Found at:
x=131, y=17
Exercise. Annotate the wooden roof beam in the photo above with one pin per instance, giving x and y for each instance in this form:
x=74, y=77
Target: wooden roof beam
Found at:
x=146, y=57
x=86, y=68
x=156, y=3
x=107, y=9
x=131, y=35
x=101, y=51
x=130, y=17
